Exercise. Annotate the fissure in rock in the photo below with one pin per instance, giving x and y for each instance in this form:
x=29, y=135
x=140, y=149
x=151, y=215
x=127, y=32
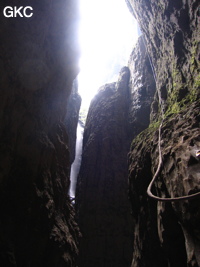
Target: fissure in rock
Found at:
x=77, y=161
x=113, y=221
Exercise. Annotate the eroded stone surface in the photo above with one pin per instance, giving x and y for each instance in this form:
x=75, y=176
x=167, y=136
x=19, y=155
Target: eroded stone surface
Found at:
x=102, y=199
x=38, y=62
x=179, y=176
x=171, y=31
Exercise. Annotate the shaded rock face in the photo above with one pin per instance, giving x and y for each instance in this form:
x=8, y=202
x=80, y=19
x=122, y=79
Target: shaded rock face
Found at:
x=167, y=234
x=171, y=33
x=141, y=88
x=38, y=63
x=71, y=119
x=101, y=197
x=165, y=227
x=101, y=194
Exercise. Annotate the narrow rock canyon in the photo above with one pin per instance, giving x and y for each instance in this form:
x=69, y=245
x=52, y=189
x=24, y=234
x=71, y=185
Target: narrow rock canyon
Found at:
x=114, y=118
x=145, y=125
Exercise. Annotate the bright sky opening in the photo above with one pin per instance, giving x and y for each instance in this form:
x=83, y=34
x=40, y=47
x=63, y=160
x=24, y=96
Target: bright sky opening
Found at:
x=107, y=35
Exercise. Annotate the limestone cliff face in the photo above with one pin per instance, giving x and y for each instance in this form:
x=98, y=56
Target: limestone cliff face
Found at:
x=141, y=88
x=38, y=62
x=162, y=229
x=101, y=198
x=171, y=31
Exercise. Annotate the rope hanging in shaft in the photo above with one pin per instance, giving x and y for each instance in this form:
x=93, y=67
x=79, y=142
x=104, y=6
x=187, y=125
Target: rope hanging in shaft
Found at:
x=150, y=194
x=170, y=199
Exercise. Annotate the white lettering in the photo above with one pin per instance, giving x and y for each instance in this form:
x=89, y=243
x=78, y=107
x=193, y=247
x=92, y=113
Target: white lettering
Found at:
x=10, y=12
x=25, y=14
x=17, y=11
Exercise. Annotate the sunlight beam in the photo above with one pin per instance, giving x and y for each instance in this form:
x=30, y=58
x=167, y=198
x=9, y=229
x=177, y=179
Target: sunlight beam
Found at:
x=107, y=34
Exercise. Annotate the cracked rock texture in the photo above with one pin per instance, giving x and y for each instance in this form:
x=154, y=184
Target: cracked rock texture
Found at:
x=165, y=227
x=102, y=202
x=171, y=34
x=38, y=63
x=168, y=234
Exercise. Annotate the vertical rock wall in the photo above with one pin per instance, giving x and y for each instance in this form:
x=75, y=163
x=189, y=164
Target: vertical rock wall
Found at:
x=101, y=198
x=171, y=31
x=71, y=119
x=38, y=62
x=141, y=88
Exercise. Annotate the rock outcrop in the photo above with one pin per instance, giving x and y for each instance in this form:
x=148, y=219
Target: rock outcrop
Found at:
x=168, y=234
x=171, y=34
x=38, y=63
x=141, y=89
x=160, y=227
x=102, y=197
